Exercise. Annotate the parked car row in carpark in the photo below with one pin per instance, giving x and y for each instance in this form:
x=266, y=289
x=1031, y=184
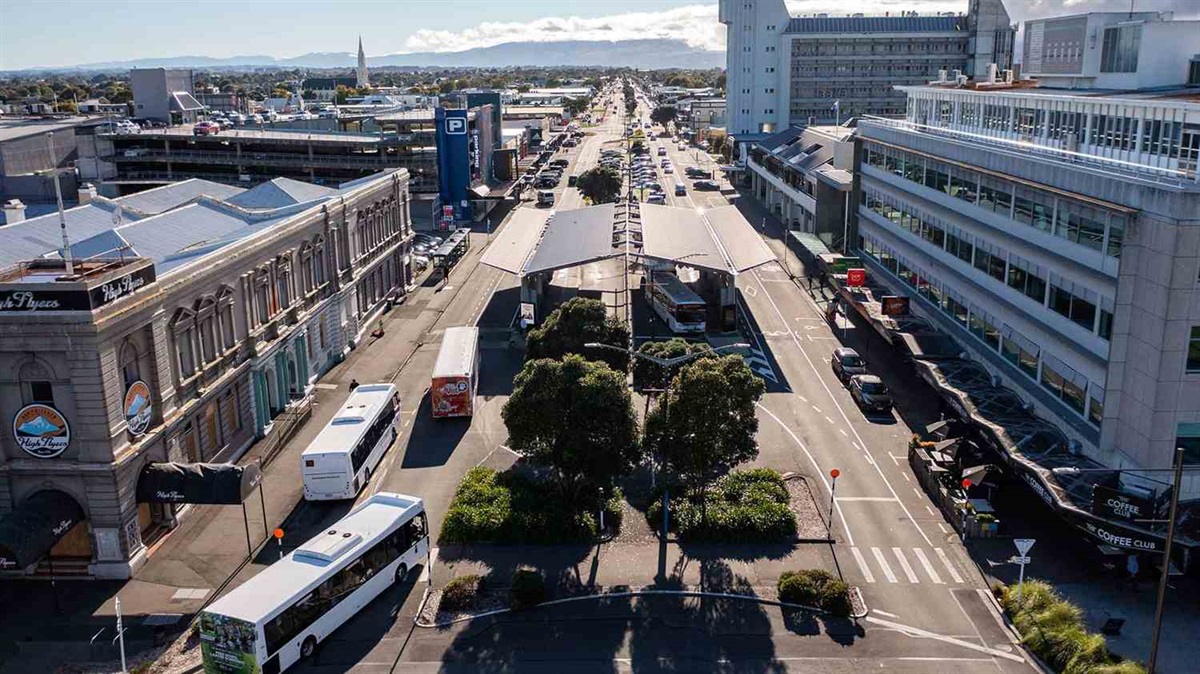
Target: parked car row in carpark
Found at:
x=867, y=390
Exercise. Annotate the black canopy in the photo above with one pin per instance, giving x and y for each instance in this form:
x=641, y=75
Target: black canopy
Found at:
x=206, y=483
x=28, y=532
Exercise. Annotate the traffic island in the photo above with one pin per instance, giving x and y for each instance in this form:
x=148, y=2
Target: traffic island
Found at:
x=746, y=506
x=811, y=525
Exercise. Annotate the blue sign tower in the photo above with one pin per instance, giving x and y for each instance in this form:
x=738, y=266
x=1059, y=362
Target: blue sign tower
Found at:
x=454, y=159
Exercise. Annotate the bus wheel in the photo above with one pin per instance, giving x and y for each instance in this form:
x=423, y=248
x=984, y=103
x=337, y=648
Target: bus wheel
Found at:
x=401, y=573
x=308, y=647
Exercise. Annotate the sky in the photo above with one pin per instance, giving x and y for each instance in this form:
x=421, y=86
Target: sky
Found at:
x=44, y=33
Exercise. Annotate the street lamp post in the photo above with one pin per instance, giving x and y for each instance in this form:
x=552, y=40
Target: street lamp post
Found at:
x=665, y=363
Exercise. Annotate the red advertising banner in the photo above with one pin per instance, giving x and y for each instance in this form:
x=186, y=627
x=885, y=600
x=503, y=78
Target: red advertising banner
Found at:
x=856, y=278
x=451, y=397
x=892, y=305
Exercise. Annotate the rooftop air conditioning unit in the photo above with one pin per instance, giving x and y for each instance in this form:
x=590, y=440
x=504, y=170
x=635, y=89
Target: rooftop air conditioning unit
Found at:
x=992, y=70
x=1008, y=76
x=961, y=80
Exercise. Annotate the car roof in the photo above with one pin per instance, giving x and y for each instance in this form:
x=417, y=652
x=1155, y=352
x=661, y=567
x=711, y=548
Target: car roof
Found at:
x=845, y=351
x=866, y=379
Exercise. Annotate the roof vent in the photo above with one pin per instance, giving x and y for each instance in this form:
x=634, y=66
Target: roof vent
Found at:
x=329, y=547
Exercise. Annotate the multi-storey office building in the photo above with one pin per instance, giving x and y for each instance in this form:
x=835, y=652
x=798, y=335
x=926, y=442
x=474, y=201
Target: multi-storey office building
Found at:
x=1058, y=237
x=785, y=70
x=187, y=326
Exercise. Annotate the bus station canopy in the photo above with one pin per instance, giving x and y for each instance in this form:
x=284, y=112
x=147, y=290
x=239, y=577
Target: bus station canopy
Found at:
x=541, y=241
x=718, y=239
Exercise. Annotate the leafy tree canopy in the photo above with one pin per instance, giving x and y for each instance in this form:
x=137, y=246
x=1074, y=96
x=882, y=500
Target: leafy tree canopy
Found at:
x=601, y=184
x=576, y=322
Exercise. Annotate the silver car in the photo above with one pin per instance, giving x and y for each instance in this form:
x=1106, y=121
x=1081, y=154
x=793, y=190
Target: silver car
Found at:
x=846, y=363
x=870, y=393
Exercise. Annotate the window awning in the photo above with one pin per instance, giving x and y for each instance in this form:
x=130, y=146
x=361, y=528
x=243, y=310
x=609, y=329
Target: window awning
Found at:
x=202, y=483
x=29, y=532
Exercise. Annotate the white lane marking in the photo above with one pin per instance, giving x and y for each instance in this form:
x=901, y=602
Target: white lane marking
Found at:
x=829, y=419
x=841, y=518
x=949, y=567
x=855, y=445
x=846, y=418
x=942, y=527
x=887, y=570
x=885, y=499
x=862, y=565
x=931, y=511
x=816, y=409
x=919, y=633
x=844, y=432
x=895, y=459
x=884, y=613
x=906, y=477
x=917, y=492
x=802, y=397
x=433, y=553
x=908, y=570
x=933, y=575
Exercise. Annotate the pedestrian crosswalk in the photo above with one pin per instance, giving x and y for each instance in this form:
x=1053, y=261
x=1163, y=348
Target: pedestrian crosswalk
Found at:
x=895, y=565
x=758, y=362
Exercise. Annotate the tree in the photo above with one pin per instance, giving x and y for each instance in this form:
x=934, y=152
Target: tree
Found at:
x=601, y=184
x=574, y=417
x=577, y=322
x=574, y=106
x=649, y=374
x=663, y=114
x=705, y=424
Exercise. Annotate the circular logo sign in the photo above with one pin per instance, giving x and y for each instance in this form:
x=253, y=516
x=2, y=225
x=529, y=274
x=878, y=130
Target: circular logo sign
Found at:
x=41, y=431
x=138, y=408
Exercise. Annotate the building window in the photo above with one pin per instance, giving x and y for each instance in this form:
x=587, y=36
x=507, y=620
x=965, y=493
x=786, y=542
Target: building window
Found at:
x=36, y=386
x=283, y=281
x=206, y=321
x=130, y=372
x=1120, y=51
x=225, y=318
x=183, y=328
x=1064, y=382
x=1095, y=412
x=1069, y=303
x=1193, y=353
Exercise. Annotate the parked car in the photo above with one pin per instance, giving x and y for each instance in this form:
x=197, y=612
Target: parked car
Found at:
x=657, y=198
x=706, y=185
x=563, y=163
x=697, y=172
x=206, y=129
x=846, y=363
x=870, y=393
x=662, y=151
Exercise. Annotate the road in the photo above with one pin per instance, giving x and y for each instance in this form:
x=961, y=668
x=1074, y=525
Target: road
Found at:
x=930, y=611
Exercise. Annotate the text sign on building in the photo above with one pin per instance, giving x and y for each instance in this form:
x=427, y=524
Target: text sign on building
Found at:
x=41, y=431
x=1120, y=537
x=856, y=278
x=893, y=305
x=15, y=299
x=1108, y=502
x=138, y=409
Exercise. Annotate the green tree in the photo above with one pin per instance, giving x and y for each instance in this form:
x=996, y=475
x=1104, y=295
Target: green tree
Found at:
x=705, y=423
x=576, y=322
x=342, y=94
x=574, y=417
x=574, y=106
x=649, y=374
x=663, y=114
x=523, y=88
x=601, y=184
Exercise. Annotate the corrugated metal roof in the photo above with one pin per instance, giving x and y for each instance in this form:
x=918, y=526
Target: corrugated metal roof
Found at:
x=679, y=235
x=280, y=192
x=513, y=244
x=162, y=199
x=782, y=138
x=38, y=236
x=878, y=24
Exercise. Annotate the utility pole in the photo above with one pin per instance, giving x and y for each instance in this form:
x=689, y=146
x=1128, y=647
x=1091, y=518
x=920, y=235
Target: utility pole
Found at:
x=1166, y=567
x=62, y=216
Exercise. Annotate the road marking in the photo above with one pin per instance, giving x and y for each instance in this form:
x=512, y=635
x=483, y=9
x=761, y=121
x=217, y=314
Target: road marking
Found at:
x=931, y=511
x=845, y=417
x=884, y=613
x=844, y=432
x=433, y=553
x=801, y=397
x=908, y=570
x=817, y=409
x=919, y=633
x=928, y=567
x=887, y=570
x=917, y=492
x=862, y=565
x=949, y=567
x=866, y=498
x=829, y=419
x=895, y=459
x=854, y=445
x=942, y=527
x=326, y=387
x=906, y=477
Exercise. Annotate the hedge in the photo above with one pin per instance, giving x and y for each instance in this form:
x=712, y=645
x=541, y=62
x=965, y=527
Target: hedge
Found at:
x=461, y=593
x=493, y=507
x=528, y=588
x=1054, y=630
x=747, y=506
x=816, y=588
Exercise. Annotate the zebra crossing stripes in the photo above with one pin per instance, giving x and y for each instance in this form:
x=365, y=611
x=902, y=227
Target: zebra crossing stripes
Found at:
x=880, y=561
x=760, y=365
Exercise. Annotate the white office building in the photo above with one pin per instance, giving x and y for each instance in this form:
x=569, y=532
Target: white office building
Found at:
x=784, y=70
x=1055, y=233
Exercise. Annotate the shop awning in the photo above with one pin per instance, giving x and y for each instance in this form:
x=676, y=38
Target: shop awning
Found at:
x=202, y=483
x=28, y=533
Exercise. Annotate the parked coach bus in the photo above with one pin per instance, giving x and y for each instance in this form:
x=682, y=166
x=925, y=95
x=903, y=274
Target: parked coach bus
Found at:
x=279, y=616
x=456, y=374
x=678, y=305
x=340, y=460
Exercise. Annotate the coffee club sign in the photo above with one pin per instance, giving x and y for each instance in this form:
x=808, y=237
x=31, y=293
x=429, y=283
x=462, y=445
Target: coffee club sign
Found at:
x=19, y=298
x=41, y=431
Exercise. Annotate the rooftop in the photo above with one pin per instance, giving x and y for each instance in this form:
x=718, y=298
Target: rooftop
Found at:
x=20, y=127
x=878, y=24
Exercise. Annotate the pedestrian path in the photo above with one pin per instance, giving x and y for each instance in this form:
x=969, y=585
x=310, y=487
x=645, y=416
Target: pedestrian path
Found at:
x=913, y=566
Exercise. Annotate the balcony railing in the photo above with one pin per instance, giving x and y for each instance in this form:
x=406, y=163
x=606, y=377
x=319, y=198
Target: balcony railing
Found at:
x=270, y=159
x=1155, y=175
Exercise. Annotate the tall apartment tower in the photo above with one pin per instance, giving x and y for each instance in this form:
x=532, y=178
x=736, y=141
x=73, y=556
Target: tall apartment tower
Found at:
x=362, y=67
x=795, y=71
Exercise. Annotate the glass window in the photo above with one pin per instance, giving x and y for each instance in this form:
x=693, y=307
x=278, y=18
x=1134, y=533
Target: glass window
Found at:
x=1095, y=413
x=963, y=185
x=1116, y=235
x=1193, y=354
x=937, y=177
x=995, y=196
x=1084, y=226
x=1119, y=53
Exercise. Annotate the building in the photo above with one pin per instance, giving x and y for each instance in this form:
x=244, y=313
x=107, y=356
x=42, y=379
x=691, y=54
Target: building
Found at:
x=214, y=99
x=25, y=151
x=94, y=106
x=360, y=74
x=785, y=70
x=324, y=89
x=804, y=177
x=701, y=113
x=164, y=95
x=1052, y=232
x=197, y=316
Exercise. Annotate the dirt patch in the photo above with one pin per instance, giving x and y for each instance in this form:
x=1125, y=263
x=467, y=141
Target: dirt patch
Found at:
x=810, y=523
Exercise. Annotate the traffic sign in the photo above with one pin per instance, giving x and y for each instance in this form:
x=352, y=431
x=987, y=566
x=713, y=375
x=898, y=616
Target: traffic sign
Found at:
x=1023, y=545
x=1019, y=560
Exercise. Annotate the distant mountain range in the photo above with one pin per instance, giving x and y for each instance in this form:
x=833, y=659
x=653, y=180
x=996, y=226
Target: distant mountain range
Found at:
x=644, y=54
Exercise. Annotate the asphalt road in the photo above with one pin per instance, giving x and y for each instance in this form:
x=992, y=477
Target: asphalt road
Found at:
x=929, y=606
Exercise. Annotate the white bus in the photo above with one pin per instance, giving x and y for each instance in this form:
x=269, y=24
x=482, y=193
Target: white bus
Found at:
x=678, y=305
x=339, y=461
x=279, y=616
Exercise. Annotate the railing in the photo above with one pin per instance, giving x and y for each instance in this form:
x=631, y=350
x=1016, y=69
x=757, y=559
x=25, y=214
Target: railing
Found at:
x=262, y=159
x=1023, y=149
x=283, y=428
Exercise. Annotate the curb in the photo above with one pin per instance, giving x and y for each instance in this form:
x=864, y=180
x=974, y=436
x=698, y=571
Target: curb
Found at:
x=618, y=595
x=856, y=591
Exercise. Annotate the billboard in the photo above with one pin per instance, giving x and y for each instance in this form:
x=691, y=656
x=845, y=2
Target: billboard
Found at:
x=227, y=645
x=893, y=305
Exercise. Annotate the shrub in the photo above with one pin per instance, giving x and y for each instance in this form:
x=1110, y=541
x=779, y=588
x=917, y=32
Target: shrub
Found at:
x=461, y=593
x=749, y=506
x=1054, y=629
x=492, y=507
x=816, y=588
x=528, y=588
x=835, y=598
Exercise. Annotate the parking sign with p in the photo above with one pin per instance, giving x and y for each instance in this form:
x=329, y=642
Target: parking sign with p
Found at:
x=456, y=126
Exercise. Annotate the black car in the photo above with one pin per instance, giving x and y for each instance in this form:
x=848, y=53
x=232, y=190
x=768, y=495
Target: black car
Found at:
x=562, y=163
x=694, y=172
x=706, y=185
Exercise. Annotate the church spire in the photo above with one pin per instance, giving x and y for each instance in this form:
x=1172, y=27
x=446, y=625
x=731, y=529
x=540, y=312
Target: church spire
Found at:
x=362, y=66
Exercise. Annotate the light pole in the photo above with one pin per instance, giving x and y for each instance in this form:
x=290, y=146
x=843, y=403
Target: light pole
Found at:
x=1160, y=603
x=665, y=363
